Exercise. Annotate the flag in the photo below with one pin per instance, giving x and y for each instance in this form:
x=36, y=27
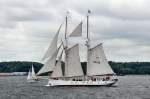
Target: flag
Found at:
x=89, y=11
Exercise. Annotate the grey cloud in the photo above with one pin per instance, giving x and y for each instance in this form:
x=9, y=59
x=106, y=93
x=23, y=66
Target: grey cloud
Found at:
x=119, y=9
x=122, y=25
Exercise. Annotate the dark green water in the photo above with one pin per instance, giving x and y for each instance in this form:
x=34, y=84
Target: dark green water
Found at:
x=128, y=87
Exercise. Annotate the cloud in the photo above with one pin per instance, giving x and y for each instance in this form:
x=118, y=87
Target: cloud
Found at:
x=27, y=27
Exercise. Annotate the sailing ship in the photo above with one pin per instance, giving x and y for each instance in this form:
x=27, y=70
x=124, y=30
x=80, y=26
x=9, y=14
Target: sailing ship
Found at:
x=98, y=71
x=31, y=75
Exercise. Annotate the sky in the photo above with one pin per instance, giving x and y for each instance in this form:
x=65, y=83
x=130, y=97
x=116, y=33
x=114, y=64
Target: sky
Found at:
x=28, y=26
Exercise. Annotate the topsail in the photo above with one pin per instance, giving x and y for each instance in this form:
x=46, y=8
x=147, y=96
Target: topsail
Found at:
x=77, y=31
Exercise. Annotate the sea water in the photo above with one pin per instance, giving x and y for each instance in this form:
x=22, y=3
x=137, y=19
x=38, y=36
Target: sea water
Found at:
x=128, y=87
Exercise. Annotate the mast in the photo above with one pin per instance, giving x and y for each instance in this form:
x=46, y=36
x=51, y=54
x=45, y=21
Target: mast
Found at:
x=66, y=30
x=66, y=46
x=88, y=40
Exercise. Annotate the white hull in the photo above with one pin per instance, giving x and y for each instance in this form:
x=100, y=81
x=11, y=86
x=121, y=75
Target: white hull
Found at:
x=80, y=83
x=32, y=80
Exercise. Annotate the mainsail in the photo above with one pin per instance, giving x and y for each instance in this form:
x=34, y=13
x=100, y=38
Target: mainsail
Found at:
x=29, y=75
x=97, y=63
x=53, y=47
x=77, y=31
x=57, y=71
x=72, y=62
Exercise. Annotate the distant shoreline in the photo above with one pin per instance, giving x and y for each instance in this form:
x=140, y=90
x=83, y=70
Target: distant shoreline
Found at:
x=120, y=68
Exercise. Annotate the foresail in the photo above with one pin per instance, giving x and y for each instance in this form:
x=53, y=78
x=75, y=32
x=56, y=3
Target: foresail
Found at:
x=77, y=31
x=57, y=71
x=72, y=64
x=97, y=63
x=49, y=65
x=53, y=47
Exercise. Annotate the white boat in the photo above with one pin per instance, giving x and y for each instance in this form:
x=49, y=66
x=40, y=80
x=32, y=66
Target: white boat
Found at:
x=31, y=75
x=98, y=72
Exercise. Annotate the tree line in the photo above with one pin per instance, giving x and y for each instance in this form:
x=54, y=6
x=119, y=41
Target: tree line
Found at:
x=118, y=67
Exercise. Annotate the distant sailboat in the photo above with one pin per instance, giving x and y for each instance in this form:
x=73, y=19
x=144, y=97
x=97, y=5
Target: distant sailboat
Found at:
x=31, y=75
x=98, y=73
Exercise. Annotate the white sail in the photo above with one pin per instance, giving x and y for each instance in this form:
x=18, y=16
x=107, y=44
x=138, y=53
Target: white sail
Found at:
x=49, y=65
x=72, y=64
x=29, y=75
x=53, y=47
x=77, y=31
x=97, y=63
x=33, y=73
x=57, y=71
